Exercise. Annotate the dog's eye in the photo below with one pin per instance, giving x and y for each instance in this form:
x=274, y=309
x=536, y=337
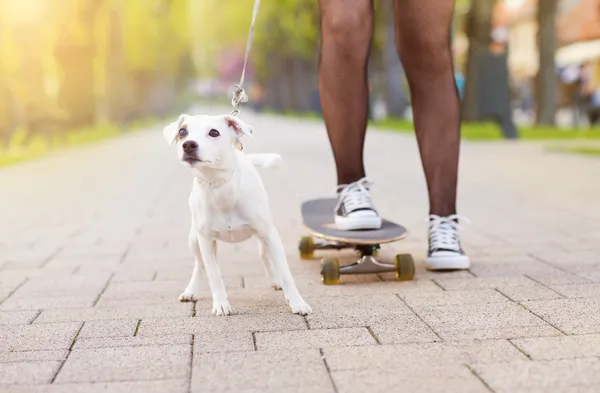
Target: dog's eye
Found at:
x=183, y=133
x=213, y=133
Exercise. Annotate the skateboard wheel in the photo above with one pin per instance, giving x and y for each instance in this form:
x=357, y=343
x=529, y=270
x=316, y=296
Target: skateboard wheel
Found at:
x=330, y=271
x=405, y=267
x=307, y=248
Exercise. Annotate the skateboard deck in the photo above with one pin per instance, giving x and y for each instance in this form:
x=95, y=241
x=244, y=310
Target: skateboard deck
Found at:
x=318, y=220
x=318, y=216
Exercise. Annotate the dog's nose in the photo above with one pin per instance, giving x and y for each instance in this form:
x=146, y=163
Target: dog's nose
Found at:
x=190, y=146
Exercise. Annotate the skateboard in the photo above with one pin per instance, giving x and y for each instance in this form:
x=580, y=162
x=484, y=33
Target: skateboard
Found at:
x=317, y=215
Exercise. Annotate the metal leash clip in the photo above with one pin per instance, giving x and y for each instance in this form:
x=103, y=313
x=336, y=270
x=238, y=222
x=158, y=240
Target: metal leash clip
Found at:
x=239, y=96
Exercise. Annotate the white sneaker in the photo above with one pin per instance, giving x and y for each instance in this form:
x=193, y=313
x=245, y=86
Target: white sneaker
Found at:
x=355, y=210
x=445, y=251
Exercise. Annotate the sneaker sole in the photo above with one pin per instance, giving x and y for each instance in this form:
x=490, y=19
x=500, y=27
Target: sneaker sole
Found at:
x=446, y=263
x=353, y=224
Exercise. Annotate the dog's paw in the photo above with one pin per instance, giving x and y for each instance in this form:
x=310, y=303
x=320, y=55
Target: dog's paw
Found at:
x=188, y=297
x=221, y=308
x=300, y=307
x=276, y=286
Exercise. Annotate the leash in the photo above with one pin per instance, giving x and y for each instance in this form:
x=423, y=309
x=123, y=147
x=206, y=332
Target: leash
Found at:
x=239, y=95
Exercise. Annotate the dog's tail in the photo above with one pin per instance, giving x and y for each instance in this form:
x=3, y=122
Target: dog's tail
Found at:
x=265, y=160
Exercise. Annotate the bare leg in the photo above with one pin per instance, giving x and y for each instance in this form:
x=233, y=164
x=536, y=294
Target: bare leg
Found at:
x=423, y=41
x=346, y=33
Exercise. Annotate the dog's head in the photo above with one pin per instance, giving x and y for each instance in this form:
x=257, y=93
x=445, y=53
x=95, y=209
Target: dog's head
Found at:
x=205, y=140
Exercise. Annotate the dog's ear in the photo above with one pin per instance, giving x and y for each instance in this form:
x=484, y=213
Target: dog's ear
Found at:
x=237, y=126
x=170, y=131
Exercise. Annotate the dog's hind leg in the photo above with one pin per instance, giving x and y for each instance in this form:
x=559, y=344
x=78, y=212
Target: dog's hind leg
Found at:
x=217, y=286
x=192, y=291
x=270, y=270
x=277, y=255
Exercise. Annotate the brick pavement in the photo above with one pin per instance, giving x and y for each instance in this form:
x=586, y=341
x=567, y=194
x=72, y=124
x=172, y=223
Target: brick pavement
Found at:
x=94, y=255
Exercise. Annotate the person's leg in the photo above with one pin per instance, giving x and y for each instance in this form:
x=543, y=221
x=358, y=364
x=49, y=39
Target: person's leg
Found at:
x=423, y=29
x=346, y=33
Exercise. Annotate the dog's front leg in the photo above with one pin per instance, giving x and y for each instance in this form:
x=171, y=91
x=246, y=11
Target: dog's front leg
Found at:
x=192, y=291
x=277, y=256
x=217, y=286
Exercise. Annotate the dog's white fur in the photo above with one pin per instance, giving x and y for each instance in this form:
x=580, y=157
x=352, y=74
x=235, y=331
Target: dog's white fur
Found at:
x=233, y=209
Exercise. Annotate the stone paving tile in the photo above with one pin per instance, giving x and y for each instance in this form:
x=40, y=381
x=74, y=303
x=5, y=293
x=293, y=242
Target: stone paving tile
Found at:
x=571, y=316
x=528, y=292
x=105, y=261
x=421, y=356
x=17, y=317
x=212, y=324
x=393, y=329
x=556, y=376
x=434, y=380
x=162, y=386
x=20, y=373
x=59, y=286
x=454, y=298
x=33, y=356
x=109, y=328
x=296, y=371
x=451, y=284
x=126, y=364
x=578, y=290
x=319, y=338
x=106, y=313
x=138, y=341
x=21, y=302
x=226, y=341
x=38, y=337
x=563, y=347
x=488, y=321
x=136, y=274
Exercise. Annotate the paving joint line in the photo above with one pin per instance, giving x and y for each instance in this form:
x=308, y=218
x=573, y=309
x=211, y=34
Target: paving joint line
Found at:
x=103, y=290
x=14, y=290
x=372, y=333
x=193, y=344
x=479, y=378
x=306, y=322
x=438, y=284
x=421, y=319
x=556, y=267
x=137, y=327
x=546, y=286
x=519, y=349
x=39, y=312
x=50, y=257
x=322, y=353
x=68, y=353
x=254, y=340
x=550, y=324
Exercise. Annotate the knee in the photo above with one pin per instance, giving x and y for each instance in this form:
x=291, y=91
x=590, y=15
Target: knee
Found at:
x=349, y=30
x=426, y=52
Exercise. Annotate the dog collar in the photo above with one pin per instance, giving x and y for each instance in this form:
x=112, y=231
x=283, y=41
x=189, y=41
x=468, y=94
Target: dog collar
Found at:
x=216, y=184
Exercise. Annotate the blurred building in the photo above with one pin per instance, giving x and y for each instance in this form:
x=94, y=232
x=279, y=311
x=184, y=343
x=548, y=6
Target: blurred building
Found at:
x=577, y=21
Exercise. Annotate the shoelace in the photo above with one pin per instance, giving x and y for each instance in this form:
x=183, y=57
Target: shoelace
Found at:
x=355, y=195
x=443, y=232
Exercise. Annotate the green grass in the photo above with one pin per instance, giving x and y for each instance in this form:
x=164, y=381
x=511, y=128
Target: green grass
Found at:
x=18, y=152
x=480, y=131
x=491, y=131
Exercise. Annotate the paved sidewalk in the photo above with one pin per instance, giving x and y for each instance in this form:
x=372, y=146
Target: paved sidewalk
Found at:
x=93, y=256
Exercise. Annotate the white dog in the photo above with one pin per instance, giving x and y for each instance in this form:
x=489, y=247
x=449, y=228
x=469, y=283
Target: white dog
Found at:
x=228, y=203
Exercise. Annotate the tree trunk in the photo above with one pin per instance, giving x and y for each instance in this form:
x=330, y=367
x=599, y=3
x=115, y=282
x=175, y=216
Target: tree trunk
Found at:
x=75, y=58
x=546, y=80
x=478, y=29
